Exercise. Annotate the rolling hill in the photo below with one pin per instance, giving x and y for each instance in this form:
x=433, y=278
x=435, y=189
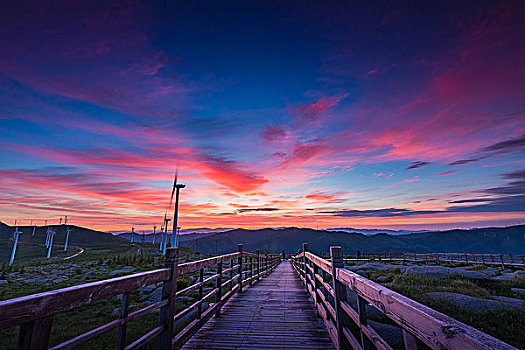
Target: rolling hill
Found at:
x=484, y=240
x=33, y=247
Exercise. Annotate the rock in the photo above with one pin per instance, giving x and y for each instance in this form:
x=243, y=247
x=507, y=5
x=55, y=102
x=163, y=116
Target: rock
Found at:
x=391, y=334
x=520, y=291
x=376, y=267
x=430, y=271
x=156, y=295
x=116, y=312
x=505, y=277
x=124, y=270
x=147, y=289
x=470, y=274
x=362, y=273
x=490, y=271
x=383, y=278
x=184, y=299
x=469, y=303
x=364, y=267
x=514, y=301
x=89, y=274
x=520, y=274
x=3, y=282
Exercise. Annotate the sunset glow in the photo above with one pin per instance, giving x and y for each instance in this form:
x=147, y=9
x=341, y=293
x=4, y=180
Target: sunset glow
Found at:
x=276, y=114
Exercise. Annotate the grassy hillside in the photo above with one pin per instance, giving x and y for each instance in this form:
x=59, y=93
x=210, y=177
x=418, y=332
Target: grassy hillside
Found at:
x=94, y=243
x=487, y=240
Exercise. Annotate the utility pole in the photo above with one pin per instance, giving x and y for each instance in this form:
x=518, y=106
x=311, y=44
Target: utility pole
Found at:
x=132, y=231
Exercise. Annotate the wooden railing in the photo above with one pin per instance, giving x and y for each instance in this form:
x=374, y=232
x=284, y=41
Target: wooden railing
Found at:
x=438, y=258
x=34, y=313
x=331, y=285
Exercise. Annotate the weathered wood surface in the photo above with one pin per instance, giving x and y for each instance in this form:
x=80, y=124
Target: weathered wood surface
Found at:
x=27, y=308
x=421, y=324
x=273, y=314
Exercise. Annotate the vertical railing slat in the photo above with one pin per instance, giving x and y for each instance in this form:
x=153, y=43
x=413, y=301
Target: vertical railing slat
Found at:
x=167, y=312
x=124, y=310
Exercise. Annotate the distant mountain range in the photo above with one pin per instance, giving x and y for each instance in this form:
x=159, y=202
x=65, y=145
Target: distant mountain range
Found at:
x=373, y=231
x=483, y=240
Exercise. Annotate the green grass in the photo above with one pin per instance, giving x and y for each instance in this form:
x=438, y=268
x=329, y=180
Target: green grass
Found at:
x=69, y=324
x=505, y=324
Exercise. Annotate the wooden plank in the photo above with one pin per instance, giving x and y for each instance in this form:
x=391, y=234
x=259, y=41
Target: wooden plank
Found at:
x=20, y=310
x=435, y=329
x=124, y=310
x=35, y=334
x=322, y=263
x=275, y=313
x=145, y=338
x=169, y=290
x=85, y=337
x=193, y=266
x=341, y=320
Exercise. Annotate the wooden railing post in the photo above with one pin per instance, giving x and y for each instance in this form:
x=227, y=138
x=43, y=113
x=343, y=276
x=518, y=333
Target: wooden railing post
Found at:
x=219, y=290
x=266, y=263
x=35, y=334
x=258, y=265
x=167, y=312
x=232, y=263
x=411, y=342
x=251, y=270
x=315, y=285
x=201, y=292
x=124, y=310
x=305, y=249
x=240, y=268
x=336, y=256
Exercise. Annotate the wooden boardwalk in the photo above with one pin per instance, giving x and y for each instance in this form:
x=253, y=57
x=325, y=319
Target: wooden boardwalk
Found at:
x=275, y=313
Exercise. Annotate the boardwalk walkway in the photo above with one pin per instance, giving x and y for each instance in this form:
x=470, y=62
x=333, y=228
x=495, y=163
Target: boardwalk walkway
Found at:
x=273, y=314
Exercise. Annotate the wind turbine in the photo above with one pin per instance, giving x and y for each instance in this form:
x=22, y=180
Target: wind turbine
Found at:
x=51, y=235
x=154, y=229
x=132, y=231
x=67, y=238
x=34, y=227
x=174, y=233
x=47, y=237
x=17, y=234
x=165, y=242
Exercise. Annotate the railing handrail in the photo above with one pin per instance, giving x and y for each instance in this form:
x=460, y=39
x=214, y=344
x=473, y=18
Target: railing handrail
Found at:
x=420, y=323
x=34, y=313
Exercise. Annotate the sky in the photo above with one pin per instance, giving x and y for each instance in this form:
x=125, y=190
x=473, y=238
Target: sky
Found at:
x=402, y=115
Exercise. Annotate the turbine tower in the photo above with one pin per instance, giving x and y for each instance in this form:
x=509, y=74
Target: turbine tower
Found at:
x=154, y=229
x=34, y=227
x=132, y=231
x=51, y=235
x=67, y=238
x=47, y=237
x=17, y=234
x=174, y=233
